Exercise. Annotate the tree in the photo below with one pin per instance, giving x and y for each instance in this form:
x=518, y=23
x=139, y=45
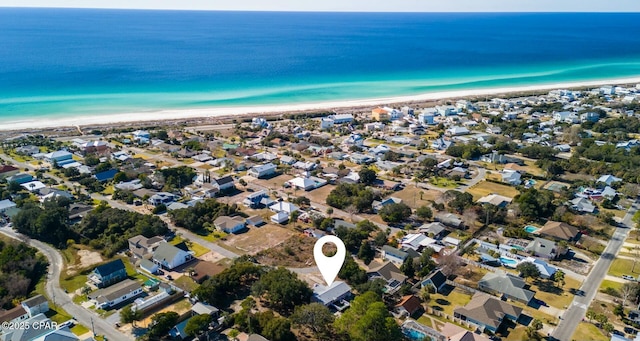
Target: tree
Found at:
x=449, y=263
x=407, y=267
x=315, y=317
x=627, y=291
x=608, y=327
x=282, y=289
x=120, y=177
x=424, y=212
x=618, y=310
x=128, y=315
x=352, y=273
x=395, y=213
x=368, y=319
x=366, y=252
x=161, y=323
x=528, y=270
x=591, y=315
x=198, y=324
x=367, y=176
x=242, y=182
x=558, y=277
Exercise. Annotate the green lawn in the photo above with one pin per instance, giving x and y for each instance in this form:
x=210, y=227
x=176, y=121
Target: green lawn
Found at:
x=456, y=298
x=193, y=246
x=553, y=296
x=587, y=331
x=214, y=236
x=621, y=267
x=79, y=329
x=108, y=191
x=73, y=283
x=424, y=319
x=610, y=284
x=186, y=283
x=443, y=182
x=58, y=315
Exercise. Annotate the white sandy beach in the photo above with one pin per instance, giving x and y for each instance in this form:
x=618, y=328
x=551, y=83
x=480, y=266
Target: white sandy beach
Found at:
x=114, y=119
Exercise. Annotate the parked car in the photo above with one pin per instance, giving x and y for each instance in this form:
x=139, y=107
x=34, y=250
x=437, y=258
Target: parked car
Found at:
x=629, y=278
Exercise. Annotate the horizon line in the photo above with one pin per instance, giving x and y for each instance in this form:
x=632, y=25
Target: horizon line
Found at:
x=315, y=11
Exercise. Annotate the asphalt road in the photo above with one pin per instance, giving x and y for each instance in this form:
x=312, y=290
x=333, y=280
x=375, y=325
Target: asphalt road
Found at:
x=61, y=299
x=578, y=308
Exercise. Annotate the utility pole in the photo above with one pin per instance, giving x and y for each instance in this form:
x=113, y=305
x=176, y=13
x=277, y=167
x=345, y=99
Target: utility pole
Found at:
x=93, y=329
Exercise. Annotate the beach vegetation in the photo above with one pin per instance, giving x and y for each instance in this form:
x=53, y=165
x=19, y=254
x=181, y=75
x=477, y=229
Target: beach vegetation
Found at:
x=356, y=195
x=395, y=213
x=21, y=268
x=199, y=218
x=368, y=319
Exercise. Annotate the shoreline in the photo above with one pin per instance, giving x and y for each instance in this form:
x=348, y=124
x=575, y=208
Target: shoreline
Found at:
x=219, y=114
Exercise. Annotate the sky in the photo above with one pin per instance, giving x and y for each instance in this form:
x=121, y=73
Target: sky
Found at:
x=348, y=5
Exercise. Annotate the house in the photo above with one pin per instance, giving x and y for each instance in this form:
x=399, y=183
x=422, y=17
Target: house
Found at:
x=506, y=285
x=35, y=305
x=108, y=274
x=436, y=280
x=28, y=150
x=178, y=331
x=20, y=178
x=94, y=147
x=590, y=116
x=341, y=118
x=435, y=230
x=149, y=266
x=409, y=305
x=495, y=200
x=255, y=220
x=203, y=270
x=116, y=294
x=582, y=205
x=280, y=217
x=33, y=186
x=560, y=231
x=546, y=271
x=162, y=198
x=378, y=205
x=287, y=160
x=8, y=207
x=326, y=123
x=451, y=332
x=256, y=199
x=78, y=211
x=16, y=314
x=441, y=144
x=380, y=114
x=106, y=175
x=36, y=328
x=487, y=312
x=224, y=184
x=141, y=136
x=390, y=274
x=608, y=179
x=510, y=176
x=457, y=131
x=543, y=248
x=393, y=254
x=58, y=157
x=7, y=171
x=307, y=183
x=170, y=257
x=416, y=241
x=143, y=247
x=283, y=206
x=335, y=296
x=201, y=308
x=450, y=219
x=229, y=224
x=262, y=171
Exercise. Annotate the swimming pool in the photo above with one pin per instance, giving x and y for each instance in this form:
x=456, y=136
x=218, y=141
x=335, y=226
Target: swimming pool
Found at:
x=508, y=262
x=531, y=229
x=414, y=334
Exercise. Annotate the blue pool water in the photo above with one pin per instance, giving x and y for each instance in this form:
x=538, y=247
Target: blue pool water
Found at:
x=530, y=229
x=414, y=334
x=508, y=262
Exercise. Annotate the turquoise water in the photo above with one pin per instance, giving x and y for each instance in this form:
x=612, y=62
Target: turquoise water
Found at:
x=69, y=62
x=508, y=262
x=414, y=334
x=530, y=229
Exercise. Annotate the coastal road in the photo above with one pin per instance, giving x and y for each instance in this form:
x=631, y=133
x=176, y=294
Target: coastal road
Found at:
x=62, y=299
x=578, y=308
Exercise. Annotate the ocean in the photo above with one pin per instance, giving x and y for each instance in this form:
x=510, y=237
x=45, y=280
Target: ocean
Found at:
x=78, y=62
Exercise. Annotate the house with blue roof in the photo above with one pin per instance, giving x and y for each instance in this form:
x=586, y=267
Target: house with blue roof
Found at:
x=108, y=274
x=106, y=175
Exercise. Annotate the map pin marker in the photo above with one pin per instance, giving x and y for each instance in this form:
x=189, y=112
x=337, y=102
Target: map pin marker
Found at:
x=329, y=266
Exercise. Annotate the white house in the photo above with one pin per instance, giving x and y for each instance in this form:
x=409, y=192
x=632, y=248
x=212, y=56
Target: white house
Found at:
x=307, y=183
x=511, y=177
x=326, y=123
x=283, y=206
x=229, y=224
x=141, y=136
x=35, y=305
x=280, y=217
x=608, y=179
x=262, y=171
x=224, y=183
x=170, y=257
x=342, y=118
x=115, y=294
x=457, y=131
x=335, y=295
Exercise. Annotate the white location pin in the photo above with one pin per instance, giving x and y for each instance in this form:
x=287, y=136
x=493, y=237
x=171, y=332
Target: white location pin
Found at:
x=329, y=266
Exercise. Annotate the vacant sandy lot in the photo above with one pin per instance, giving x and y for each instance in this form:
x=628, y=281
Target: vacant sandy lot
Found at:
x=259, y=238
x=411, y=192
x=484, y=188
